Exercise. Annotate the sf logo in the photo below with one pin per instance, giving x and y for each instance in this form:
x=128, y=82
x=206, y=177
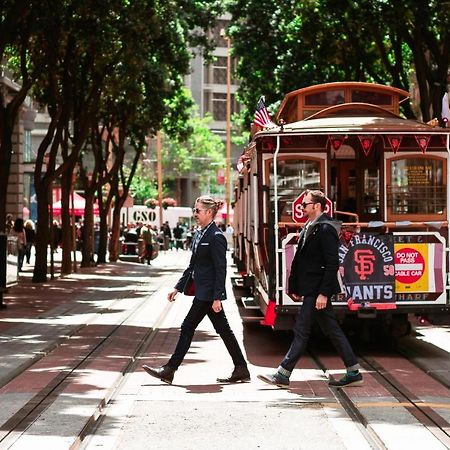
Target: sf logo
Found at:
x=364, y=263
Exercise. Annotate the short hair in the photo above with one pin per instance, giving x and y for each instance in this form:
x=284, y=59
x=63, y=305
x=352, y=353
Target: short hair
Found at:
x=210, y=203
x=317, y=197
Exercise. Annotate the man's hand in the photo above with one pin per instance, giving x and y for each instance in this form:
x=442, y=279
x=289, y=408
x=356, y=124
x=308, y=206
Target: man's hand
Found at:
x=321, y=301
x=171, y=295
x=296, y=297
x=217, y=306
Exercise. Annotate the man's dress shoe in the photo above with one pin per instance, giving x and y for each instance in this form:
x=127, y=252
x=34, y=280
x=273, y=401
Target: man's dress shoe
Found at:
x=164, y=373
x=240, y=374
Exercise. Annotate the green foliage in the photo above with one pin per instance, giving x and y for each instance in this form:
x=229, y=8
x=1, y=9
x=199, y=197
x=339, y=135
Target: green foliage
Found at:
x=143, y=186
x=201, y=153
x=289, y=45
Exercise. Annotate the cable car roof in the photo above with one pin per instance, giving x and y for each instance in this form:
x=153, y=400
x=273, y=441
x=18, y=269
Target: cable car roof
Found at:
x=354, y=124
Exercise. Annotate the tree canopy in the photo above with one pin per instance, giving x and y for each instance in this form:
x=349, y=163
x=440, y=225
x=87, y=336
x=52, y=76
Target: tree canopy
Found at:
x=117, y=65
x=289, y=45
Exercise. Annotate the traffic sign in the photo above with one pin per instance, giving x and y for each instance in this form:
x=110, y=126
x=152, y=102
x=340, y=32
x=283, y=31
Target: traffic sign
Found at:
x=298, y=214
x=410, y=264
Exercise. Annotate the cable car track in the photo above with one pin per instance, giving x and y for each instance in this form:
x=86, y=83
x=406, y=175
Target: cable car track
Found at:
x=423, y=411
x=13, y=428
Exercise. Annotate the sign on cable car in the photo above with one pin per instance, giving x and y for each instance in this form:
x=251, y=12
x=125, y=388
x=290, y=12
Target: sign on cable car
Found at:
x=298, y=214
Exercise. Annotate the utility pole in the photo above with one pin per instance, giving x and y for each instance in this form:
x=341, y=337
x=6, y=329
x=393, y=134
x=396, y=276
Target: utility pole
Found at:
x=159, y=169
x=228, y=143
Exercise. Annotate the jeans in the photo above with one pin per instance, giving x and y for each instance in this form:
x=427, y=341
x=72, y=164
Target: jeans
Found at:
x=20, y=258
x=196, y=314
x=329, y=325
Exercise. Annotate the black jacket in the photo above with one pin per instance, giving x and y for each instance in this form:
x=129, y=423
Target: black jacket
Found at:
x=315, y=265
x=209, y=265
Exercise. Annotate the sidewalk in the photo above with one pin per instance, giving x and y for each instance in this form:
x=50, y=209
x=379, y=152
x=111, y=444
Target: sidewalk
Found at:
x=39, y=316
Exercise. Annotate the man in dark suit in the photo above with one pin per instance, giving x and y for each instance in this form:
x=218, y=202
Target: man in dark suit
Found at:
x=314, y=279
x=205, y=278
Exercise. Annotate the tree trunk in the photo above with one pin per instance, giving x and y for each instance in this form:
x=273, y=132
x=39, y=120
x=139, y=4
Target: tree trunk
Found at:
x=103, y=238
x=67, y=232
x=9, y=112
x=114, y=245
x=5, y=164
x=42, y=233
x=88, y=231
x=104, y=209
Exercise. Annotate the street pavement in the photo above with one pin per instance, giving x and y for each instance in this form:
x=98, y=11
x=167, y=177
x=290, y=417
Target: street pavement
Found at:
x=46, y=327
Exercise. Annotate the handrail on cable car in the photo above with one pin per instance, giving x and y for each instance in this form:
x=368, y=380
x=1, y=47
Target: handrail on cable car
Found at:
x=345, y=213
x=379, y=224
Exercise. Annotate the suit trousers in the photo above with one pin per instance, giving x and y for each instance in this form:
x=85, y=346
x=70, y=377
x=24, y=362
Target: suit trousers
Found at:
x=329, y=325
x=196, y=314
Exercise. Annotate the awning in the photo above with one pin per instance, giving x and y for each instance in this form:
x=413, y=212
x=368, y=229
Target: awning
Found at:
x=79, y=205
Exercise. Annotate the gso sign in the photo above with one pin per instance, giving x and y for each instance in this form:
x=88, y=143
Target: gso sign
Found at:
x=297, y=211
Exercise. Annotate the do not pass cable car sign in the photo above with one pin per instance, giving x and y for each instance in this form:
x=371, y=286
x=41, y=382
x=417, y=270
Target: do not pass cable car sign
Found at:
x=299, y=216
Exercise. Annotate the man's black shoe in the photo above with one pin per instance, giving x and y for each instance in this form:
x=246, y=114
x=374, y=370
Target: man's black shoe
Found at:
x=347, y=380
x=164, y=373
x=240, y=374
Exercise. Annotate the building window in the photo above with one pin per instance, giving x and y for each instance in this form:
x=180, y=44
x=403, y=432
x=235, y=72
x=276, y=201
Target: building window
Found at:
x=216, y=72
x=27, y=149
x=215, y=103
x=219, y=106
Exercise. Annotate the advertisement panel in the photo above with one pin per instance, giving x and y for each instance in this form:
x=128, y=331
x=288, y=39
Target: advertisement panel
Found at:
x=367, y=268
x=418, y=267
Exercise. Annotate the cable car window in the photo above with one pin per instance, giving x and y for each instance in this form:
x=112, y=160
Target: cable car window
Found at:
x=417, y=186
x=335, y=97
x=294, y=176
x=374, y=98
x=371, y=191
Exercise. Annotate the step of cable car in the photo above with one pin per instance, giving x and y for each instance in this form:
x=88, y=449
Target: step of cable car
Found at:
x=249, y=303
x=237, y=282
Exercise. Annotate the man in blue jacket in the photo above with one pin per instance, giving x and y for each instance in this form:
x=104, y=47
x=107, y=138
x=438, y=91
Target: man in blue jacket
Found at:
x=314, y=279
x=205, y=279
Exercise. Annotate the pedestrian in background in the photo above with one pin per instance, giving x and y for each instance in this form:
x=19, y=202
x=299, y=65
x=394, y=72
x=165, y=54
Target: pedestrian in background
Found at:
x=57, y=235
x=9, y=225
x=314, y=277
x=147, y=235
x=178, y=236
x=167, y=235
x=30, y=235
x=205, y=275
x=18, y=231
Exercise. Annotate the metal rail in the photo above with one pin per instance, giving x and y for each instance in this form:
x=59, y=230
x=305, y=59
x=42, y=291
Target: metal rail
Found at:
x=13, y=428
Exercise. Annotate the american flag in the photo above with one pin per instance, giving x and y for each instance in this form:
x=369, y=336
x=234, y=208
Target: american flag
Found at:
x=262, y=117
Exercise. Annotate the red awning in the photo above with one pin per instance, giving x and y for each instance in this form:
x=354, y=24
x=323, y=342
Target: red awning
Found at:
x=79, y=204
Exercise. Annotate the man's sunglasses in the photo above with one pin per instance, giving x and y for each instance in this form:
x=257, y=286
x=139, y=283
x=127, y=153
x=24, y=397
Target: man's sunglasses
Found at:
x=197, y=210
x=305, y=204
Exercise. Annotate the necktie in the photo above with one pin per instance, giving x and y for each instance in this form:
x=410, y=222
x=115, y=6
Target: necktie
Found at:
x=305, y=234
x=197, y=239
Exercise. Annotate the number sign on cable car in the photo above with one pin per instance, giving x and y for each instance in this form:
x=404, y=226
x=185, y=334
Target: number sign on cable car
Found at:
x=298, y=214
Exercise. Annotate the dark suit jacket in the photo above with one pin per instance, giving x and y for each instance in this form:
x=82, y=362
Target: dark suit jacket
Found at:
x=315, y=265
x=209, y=265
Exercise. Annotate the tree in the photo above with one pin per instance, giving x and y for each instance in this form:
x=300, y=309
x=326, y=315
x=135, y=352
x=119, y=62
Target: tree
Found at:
x=16, y=23
x=201, y=153
x=69, y=66
x=80, y=57
x=294, y=44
